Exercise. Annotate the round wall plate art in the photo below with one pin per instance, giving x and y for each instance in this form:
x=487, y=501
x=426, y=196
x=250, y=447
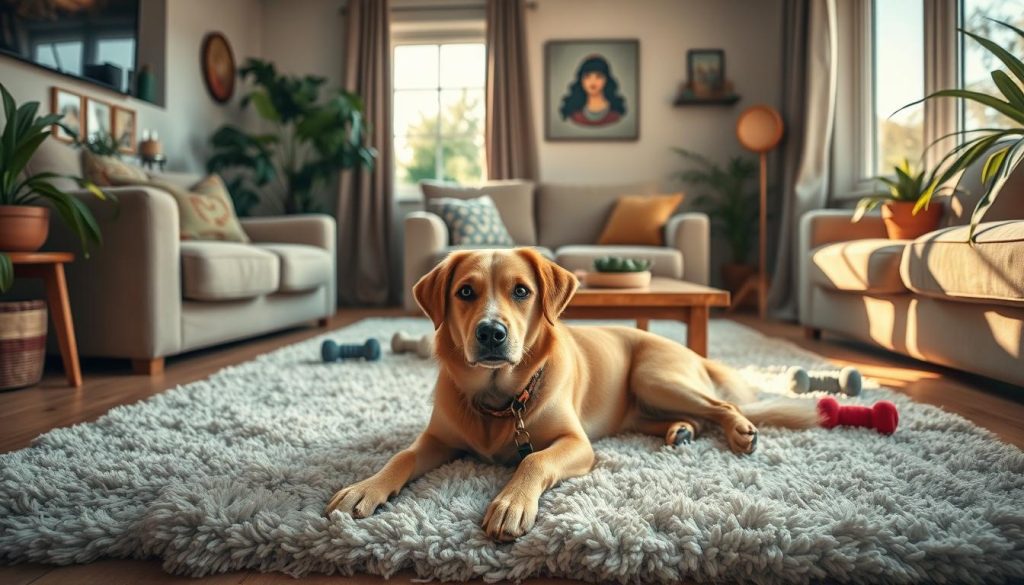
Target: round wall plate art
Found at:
x=218, y=63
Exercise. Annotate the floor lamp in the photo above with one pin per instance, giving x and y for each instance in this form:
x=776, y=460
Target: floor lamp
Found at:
x=759, y=129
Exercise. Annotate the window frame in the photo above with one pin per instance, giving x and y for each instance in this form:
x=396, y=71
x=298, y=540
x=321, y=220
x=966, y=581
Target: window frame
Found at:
x=431, y=37
x=857, y=142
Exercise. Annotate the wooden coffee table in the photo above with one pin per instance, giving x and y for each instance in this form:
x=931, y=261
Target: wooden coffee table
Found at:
x=665, y=298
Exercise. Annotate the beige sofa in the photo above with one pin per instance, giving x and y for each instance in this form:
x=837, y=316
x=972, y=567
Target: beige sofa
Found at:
x=936, y=298
x=144, y=294
x=564, y=222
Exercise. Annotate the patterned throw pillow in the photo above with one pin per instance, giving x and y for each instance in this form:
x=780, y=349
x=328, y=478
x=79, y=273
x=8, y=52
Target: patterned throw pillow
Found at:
x=108, y=171
x=205, y=210
x=474, y=222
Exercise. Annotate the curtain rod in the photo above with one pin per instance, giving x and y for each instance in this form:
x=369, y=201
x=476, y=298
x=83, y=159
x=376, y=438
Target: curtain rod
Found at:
x=530, y=4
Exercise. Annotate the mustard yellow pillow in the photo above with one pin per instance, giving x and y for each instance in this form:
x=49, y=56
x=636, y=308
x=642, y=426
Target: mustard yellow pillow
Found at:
x=205, y=210
x=108, y=171
x=639, y=220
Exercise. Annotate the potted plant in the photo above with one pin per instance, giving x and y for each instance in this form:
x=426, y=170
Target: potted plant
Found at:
x=311, y=142
x=618, y=272
x=24, y=218
x=731, y=203
x=903, y=218
x=1003, y=147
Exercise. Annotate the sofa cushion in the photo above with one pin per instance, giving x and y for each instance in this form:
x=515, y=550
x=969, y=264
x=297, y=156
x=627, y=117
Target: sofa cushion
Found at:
x=514, y=200
x=870, y=265
x=576, y=214
x=303, y=267
x=205, y=210
x=57, y=157
x=942, y=264
x=471, y=222
x=639, y=220
x=110, y=171
x=223, y=271
x=444, y=253
x=664, y=261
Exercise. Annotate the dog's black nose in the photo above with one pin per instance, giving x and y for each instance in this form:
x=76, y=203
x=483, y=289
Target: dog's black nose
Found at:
x=491, y=334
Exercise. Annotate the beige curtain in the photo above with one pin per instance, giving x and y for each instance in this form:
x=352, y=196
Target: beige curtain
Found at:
x=365, y=196
x=810, y=58
x=511, y=152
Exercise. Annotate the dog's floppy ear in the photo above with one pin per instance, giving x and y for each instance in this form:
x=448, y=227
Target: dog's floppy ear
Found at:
x=557, y=285
x=431, y=291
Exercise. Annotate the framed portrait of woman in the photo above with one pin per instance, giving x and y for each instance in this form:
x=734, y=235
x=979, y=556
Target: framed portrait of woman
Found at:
x=592, y=90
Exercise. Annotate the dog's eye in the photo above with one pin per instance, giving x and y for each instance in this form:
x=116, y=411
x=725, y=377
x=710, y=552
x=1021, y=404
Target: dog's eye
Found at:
x=520, y=292
x=466, y=292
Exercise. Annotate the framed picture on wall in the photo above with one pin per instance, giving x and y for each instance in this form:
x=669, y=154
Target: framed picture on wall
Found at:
x=592, y=90
x=123, y=126
x=71, y=106
x=98, y=117
x=706, y=69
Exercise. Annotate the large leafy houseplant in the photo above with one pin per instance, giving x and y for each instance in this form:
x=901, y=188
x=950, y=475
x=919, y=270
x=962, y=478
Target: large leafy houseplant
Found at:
x=903, y=219
x=1003, y=147
x=23, y=133
x=728, y=198
x=312, y=140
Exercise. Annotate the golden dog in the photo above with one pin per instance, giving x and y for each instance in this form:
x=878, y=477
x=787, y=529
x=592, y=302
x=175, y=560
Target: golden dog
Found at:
x=515, y=384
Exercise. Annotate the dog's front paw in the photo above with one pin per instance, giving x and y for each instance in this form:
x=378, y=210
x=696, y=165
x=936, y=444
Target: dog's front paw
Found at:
x=360, y=499
x=509, y=516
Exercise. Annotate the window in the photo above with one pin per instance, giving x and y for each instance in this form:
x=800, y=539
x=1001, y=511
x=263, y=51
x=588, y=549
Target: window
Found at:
x=898, y=57
x=976, y=64
x=438, y=114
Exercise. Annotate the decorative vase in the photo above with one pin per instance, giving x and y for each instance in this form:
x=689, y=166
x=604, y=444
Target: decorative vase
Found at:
x=902, y=224
x=23, y=228
x=22, y=343
x=145, y=85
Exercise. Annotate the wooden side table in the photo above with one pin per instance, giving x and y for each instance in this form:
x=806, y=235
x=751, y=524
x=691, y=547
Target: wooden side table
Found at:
x=49, y=266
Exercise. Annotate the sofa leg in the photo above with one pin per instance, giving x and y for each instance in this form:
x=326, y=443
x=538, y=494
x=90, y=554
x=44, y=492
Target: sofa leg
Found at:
x=323, y=321
x=148, y=367
x=812, y=333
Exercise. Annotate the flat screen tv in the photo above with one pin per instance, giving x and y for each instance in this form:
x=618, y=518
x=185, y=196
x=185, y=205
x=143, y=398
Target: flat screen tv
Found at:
x=94, y=40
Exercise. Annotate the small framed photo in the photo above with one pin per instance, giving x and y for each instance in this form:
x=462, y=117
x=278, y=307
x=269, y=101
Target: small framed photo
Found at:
x=71, y=106
x=124, y=129
x=99, y=117
x=706, y=69
x=592, y=89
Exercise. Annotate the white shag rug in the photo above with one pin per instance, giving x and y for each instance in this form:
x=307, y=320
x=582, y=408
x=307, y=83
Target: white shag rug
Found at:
x=233, y=472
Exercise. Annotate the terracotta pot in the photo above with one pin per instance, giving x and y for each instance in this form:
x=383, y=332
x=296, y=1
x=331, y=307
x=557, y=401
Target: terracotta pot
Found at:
x=23, y=228
x=902, y=224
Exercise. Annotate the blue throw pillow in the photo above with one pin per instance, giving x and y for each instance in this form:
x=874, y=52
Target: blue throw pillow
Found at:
x=473, y=222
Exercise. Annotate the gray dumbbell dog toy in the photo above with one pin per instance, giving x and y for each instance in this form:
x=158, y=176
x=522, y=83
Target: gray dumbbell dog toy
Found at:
x=847, y=382
x=422, y=346
x=331, y=351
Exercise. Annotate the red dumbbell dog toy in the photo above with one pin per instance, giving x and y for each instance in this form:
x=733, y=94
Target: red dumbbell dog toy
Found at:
x=883, y=416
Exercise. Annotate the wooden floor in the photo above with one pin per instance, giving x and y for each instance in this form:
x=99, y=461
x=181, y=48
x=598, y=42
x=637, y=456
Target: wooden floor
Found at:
x=24, y=414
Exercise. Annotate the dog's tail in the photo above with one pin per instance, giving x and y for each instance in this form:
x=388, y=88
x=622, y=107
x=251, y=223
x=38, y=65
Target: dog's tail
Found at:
x=781, y=412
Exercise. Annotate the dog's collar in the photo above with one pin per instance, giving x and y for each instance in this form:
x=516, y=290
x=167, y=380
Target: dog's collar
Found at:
x=518, y=404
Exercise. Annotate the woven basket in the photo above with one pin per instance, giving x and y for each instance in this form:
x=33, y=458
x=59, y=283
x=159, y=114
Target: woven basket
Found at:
x=22, y=343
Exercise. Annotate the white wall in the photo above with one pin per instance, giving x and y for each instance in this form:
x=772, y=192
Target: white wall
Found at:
x=749, y=32
x=190, y=115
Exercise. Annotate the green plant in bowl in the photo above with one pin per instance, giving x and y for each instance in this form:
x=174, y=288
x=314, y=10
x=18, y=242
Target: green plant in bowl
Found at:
x=619, y=264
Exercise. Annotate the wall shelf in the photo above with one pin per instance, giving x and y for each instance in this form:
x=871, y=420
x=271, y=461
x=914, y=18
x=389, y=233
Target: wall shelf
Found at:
x=726, y=100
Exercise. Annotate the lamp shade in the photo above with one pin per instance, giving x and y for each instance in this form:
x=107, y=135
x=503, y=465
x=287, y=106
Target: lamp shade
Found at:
x=759, y=128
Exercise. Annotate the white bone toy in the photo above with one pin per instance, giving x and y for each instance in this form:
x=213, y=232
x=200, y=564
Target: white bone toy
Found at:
x=422, y=346
x=848, y=381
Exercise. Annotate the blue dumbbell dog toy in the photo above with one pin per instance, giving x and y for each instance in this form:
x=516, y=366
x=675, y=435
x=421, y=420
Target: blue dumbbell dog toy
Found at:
x=331, y=351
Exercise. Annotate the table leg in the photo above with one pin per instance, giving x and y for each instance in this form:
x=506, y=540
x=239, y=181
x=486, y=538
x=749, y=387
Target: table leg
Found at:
x=697, y=330
x=60, y=312
x=643, y=324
